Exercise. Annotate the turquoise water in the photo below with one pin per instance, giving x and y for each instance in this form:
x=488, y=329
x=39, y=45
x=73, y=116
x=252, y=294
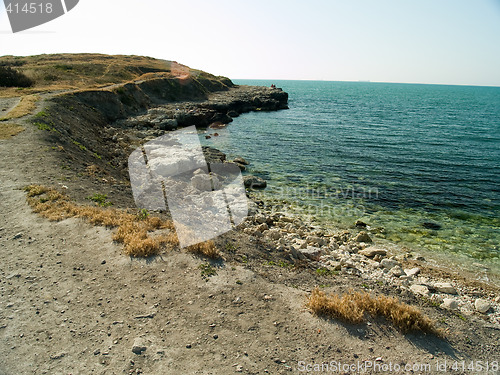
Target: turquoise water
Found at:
x=396, y=156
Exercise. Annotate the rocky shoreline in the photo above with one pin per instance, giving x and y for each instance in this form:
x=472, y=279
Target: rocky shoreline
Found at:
x=355, y=253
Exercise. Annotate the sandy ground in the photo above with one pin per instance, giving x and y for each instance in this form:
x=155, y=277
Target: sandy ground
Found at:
x=72, y=303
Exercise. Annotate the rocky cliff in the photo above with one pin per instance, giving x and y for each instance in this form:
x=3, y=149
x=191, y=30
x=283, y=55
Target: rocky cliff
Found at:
x=101, y=126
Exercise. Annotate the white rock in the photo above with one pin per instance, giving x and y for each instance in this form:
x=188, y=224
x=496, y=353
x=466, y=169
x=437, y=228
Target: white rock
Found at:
x=397, y=271
x=316, y=241
x=482, y=305
x=412, y=272
x=389, y=263
x=336, y=266
x=445, y=288
x=139, y=346
x=450, y=303
x=302, y=244
x=421, y=290
x=273, y=234
x=262, y=227
x=311, y=252
x=372, y=251
x=205, y=182
x=295, y=251
x=260, y=219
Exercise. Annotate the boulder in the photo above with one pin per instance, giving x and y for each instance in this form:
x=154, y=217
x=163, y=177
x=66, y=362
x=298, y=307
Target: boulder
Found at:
x=254, y=182
x=240, y=160
x=421, y=290
x=412, y=272
x=445, y=288
x=482, y=305
x=139, y=346
x=389, y=263
x=397, y=271
x=371, y=251
x=273, y=234
x=431, y=225
x=262, y=227
x=450, y=303
x=296, y=252
x=233, y=114
x=260, y=219
x=168, y=124
x=363, y=237
x=242, y=167
x=311, y=252
x=360, y=224
x=205, y=182
x=316, y=241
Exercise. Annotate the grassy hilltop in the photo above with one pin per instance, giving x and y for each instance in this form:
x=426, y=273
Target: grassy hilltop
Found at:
x=90, y=71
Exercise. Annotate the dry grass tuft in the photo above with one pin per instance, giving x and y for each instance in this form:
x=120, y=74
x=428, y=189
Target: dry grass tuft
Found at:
x=25, y=107
x=207, y=249
x=134, y=233
x=351, y=308
x=8, y=130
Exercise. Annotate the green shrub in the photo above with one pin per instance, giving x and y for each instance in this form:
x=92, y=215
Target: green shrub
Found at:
x=12, y=78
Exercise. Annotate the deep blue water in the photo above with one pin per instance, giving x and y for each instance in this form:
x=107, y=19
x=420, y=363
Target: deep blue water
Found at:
x=394, y=155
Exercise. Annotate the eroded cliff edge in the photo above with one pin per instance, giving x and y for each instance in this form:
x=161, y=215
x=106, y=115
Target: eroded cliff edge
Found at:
x=98, y=128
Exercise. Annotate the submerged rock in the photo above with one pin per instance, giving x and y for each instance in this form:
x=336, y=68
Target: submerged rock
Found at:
x=363, y=237
x=254, y=182
x=240, y=160
x=431, y=225
x=360, y=224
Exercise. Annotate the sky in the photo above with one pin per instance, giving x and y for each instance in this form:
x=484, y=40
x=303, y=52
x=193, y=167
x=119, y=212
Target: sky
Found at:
x=414, y=41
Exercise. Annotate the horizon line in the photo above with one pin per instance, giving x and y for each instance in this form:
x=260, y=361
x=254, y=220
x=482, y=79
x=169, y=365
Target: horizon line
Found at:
x=367, y=81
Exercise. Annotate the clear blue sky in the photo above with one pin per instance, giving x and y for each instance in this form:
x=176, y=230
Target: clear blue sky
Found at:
x=424, y=41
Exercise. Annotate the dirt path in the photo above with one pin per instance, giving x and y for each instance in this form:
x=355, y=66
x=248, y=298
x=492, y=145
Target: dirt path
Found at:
x=72, y=303
x=7, y=105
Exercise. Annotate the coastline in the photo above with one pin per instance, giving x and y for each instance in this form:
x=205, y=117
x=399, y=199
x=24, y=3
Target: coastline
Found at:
x=357, y=251
x=74, y=302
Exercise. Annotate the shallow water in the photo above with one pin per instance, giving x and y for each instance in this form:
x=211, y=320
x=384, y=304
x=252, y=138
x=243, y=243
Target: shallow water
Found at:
x=394, y=155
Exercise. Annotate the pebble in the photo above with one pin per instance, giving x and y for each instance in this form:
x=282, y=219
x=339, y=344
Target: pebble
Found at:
x=482, y=305
x=58, y=356
x=17, y=236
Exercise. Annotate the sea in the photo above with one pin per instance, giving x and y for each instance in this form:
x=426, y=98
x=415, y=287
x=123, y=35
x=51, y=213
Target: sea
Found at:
x=418, y=163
